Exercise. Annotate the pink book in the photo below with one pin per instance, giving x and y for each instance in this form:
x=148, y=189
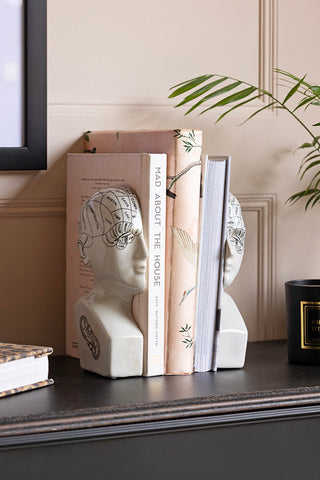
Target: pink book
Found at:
x=183, y=149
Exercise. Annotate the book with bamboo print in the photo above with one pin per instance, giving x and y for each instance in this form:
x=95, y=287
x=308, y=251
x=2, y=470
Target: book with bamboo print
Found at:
x=183, y=149
x=23, y=368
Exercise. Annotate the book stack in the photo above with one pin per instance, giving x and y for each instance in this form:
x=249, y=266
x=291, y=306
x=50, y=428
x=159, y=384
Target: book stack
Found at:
x=164, y=169
x=23, y=368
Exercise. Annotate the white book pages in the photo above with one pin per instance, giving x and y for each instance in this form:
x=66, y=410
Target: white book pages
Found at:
x=210, y=265
x=24, y=371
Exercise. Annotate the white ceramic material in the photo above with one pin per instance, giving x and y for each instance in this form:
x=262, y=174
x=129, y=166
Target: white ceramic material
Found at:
x=233, y=335
x=111, y=243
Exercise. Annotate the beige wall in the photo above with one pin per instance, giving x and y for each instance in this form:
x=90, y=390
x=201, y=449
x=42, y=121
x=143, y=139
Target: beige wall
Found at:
x=110, y=65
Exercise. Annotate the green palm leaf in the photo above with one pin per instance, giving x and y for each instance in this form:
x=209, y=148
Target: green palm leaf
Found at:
x=314, y=198
x=232, y=98
x=201, y=91
x=310, y=186
x=237, y=106
x=293, y=90
x=305, y=101
x=304, y=93
x=216, y=93
x=316, y=90
x=305, y=145
x=316, y=185
x=297, y=196
x=189, y=85
x=293, y=77
x=313, y=164
x=306, y=160
x=258, y=111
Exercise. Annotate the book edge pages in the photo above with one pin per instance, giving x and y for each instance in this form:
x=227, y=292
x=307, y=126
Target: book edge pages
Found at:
x=205, y=333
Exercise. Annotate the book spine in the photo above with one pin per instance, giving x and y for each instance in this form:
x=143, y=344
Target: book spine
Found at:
x=182, y=232
x=156, y=280
x=221, y=262
x=72, y=260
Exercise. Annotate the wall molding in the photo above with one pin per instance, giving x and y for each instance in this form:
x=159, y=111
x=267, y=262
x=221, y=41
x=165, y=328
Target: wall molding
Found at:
x=134, y=111
x=264, y=205
x=267, y=61
x=111, y=110
x=32, y=207
x=268, y=45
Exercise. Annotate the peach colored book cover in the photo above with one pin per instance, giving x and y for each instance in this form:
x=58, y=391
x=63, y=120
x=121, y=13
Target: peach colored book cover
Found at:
x=183, y=149
x=86, y=174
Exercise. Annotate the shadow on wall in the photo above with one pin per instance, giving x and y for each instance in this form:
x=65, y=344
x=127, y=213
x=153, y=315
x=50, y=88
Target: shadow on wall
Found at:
x=32, y=243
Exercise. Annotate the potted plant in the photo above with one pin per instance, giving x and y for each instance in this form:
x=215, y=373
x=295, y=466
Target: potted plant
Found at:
x=221, y=91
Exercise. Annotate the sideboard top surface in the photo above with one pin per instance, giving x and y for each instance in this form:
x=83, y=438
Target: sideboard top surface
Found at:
x=80, y=399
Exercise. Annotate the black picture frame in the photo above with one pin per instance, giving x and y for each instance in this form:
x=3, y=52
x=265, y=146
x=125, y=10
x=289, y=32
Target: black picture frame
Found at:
x=33, y=154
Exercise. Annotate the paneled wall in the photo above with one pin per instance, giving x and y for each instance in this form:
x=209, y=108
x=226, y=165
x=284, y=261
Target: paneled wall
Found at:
x=110, y=65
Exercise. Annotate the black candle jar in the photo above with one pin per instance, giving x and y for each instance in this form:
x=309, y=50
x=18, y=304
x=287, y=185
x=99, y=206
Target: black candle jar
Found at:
x=303, y=320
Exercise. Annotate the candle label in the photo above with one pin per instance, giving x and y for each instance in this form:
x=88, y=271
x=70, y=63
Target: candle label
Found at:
x=310, y=325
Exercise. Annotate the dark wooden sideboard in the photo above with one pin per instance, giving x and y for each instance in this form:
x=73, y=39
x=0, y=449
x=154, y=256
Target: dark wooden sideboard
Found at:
x=261, y=422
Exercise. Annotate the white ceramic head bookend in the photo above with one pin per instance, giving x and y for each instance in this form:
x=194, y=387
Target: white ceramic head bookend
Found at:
x=233, y=336
x=111, y=243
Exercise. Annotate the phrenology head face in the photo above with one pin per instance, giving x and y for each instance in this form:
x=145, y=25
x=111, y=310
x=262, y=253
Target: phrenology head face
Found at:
x=111, y=238
x=235, y=235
